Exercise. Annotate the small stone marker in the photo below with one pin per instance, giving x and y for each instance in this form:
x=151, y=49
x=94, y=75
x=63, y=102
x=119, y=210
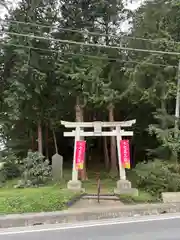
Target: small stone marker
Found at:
x=171, y=197
x=57, y=167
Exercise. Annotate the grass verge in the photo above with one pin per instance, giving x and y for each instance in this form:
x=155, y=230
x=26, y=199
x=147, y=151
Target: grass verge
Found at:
x=143, y=197
x=43, y=199
x=54, y=197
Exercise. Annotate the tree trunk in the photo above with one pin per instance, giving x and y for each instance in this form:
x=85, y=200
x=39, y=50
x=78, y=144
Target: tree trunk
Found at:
x=55, y=141
x=106, y=154
x=32, y=143
x=113, y=155
x=80, y=118
x=40, y=144
x=163, y=109
x=47, y=141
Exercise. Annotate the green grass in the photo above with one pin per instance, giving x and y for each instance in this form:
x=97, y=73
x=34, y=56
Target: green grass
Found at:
x=106, y=181
x=107, y=186
x=54, y=197
x=143, y=197
x=34, y=199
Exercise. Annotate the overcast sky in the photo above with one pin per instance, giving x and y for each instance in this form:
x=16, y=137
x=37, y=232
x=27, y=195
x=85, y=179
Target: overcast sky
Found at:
x=135, y=4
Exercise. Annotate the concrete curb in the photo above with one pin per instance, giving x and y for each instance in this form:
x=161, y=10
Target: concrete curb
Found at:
x=75, y=199
x=72, y=216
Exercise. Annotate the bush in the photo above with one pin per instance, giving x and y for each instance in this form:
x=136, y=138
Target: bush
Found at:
x=36, y=170
x=158, y=176
x=10, y=167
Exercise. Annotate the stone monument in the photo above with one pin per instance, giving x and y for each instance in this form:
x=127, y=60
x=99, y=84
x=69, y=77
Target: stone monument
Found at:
x=57, y=167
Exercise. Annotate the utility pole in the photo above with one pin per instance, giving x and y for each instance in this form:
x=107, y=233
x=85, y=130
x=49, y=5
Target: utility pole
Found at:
x=176, y=126
x=177, y=99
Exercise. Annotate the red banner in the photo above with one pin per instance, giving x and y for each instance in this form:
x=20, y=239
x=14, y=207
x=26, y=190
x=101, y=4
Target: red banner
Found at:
x=80, y=154
x=125, y=153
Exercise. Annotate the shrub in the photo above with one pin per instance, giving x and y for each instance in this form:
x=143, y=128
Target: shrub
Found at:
x=2, y=174
x=158, y=176
x=10, y=167
x=36, y=170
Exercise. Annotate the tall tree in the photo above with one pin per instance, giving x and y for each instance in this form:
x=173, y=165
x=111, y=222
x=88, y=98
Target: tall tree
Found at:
x=29, y=71
x=154, y=27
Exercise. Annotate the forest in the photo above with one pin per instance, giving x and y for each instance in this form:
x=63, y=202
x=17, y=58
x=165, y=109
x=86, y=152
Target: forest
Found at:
x=70, y=60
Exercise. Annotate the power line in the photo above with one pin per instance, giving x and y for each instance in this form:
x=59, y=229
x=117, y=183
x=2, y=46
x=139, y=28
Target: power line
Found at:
x=89, y=56
x=93, y=44
x=121, y=60
x=28, y=47
x=86, y=32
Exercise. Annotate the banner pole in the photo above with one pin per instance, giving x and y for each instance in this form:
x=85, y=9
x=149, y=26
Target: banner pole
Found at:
x=122, y=172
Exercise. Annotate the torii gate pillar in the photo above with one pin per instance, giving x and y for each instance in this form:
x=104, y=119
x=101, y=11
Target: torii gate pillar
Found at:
x=123, y=185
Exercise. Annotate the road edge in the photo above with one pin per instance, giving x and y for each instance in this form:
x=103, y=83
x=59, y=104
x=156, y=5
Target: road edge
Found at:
x=74, y=216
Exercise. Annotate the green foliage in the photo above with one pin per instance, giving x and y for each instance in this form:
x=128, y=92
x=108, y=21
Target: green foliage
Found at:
x=2, y=175
x=36, y=170
x=167, y=135
x=10, y=167
x=158, y=176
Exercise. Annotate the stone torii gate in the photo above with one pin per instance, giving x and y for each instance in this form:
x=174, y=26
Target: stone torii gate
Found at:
x=123, y=185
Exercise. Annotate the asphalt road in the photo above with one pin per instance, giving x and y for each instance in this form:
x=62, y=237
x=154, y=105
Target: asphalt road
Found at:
x=166, y=227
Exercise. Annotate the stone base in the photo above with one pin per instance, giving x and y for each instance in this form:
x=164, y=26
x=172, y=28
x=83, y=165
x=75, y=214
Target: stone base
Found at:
x=124, y=187
x=75, y=185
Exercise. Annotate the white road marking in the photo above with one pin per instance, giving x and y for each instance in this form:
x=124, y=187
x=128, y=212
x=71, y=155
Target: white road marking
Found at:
x=31, y=229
